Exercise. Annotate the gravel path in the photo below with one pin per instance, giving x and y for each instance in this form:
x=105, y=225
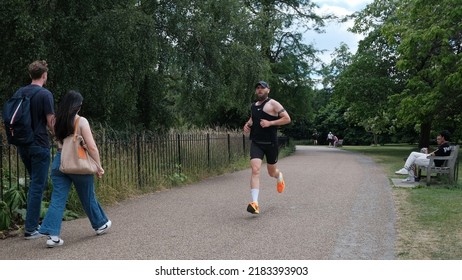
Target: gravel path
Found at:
x=337, y=205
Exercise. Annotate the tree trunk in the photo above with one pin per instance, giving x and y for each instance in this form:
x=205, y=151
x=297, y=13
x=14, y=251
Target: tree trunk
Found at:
x=375, y=139
x=424, y=140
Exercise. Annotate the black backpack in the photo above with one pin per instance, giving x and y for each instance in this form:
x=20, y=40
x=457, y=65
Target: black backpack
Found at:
x=17, y=118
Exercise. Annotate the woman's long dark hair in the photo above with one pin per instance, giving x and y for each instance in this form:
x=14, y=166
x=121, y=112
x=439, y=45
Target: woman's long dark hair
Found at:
x=68, y=107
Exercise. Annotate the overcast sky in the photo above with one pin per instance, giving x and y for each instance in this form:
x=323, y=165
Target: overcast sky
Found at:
x=335, y=32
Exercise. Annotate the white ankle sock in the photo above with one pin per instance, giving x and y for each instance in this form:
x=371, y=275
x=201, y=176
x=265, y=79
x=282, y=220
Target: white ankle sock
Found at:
x=254, y=193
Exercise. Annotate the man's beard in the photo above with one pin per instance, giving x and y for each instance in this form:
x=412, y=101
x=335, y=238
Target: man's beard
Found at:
x=262, y=97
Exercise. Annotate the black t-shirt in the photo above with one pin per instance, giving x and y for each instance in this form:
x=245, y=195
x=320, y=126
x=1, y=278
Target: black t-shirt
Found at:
x=444, y=150
x=41, y=105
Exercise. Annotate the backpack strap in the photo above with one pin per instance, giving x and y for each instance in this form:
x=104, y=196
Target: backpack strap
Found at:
x=21, y=92
x=34, y=92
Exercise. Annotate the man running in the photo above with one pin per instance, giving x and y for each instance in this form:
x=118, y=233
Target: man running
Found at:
x=267, y=116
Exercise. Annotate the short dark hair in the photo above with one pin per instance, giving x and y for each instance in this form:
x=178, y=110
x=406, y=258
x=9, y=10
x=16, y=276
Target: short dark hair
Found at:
x=37, y=68
x=446, y=134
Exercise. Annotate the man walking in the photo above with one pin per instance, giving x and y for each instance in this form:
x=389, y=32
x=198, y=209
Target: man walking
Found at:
x=267, y=116
x=330, y=139
x=36, y=156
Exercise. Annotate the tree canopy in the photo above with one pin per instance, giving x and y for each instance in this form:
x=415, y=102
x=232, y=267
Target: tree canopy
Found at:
x=160, y=64
x=407, y=70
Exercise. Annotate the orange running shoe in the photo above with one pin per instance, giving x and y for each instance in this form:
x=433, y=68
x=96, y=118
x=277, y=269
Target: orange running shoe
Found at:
x=253, y=208
x=280, y=183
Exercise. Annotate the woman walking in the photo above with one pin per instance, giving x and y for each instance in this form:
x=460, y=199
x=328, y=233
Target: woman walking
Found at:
x=66, y=117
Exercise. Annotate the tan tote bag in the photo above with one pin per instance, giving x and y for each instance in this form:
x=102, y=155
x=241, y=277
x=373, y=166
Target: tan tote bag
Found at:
x=74, y=155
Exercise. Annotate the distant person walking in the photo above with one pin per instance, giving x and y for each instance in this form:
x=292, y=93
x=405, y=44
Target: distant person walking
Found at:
x=266, y=116
x=315, y=136
x=66, y=117
x=36, y=156
x=330, y=139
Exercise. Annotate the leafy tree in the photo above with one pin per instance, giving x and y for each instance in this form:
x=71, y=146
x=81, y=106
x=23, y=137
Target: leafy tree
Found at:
x=24, y=27
x=341, y=59
x=365, y=85
x=157, y=64
x=105, y=50
x=429, y=46
x=210, y=61
x=291, y=61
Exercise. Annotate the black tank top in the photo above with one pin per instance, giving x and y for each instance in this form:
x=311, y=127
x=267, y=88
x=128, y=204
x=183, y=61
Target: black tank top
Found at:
x=259, y=134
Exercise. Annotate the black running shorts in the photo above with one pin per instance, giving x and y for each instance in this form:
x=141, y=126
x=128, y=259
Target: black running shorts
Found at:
x=259, y=150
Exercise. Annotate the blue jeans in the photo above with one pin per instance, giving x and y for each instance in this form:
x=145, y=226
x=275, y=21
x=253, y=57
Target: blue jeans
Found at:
x=37, y=162
x=84, y=185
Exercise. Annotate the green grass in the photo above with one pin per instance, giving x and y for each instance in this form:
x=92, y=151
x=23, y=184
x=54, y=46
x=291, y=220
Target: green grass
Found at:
x=428, y=218
x=391, y=157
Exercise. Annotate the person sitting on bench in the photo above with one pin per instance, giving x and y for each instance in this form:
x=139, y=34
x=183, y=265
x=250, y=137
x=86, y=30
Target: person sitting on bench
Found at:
x=421, y=159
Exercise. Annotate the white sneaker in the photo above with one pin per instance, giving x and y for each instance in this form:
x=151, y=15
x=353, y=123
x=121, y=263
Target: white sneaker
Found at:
x=104, y=228
x=409, y=179
x=54, y=241
x=402, y=171
x=32, y=235
x=411, y=173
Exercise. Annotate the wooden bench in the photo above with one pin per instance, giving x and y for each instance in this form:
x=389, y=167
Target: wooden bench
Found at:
x=450, y=166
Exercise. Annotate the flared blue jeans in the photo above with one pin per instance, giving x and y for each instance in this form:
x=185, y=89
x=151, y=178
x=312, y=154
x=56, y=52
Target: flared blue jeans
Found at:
x=84, y=185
